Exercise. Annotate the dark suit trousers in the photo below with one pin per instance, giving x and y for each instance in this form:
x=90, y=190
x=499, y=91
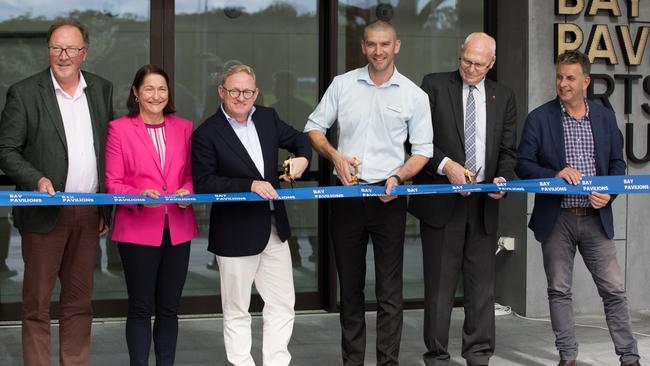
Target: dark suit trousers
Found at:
x=353, y=221
x=461, y=246
x=67, y=252
x=155, y=277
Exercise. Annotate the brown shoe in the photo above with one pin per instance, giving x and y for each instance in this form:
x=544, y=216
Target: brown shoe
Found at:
x=567, y=363
x=635, y=363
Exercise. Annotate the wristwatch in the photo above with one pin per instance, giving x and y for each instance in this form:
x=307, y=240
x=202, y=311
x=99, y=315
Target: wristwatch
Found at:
x=397, y=178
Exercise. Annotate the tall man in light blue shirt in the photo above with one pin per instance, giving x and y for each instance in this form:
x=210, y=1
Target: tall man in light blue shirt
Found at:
x=377, y=108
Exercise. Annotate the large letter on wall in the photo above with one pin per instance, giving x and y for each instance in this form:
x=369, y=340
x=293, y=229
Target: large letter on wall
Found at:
x=632, y=54
x=629, y=144
x=563, y=8
x=609, y=5
x=600, y=45
x=632, y=8
x=568, y=37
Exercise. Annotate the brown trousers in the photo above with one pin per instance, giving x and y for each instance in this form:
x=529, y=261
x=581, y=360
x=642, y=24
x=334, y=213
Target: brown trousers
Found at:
x=67, y=252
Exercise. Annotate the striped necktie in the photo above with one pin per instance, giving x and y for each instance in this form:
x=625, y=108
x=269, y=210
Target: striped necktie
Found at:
x=470, y=131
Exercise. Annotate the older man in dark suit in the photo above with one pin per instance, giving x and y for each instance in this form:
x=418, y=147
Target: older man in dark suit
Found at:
x=474, y=133
x=567, y=138
x=52, y=133
x=236, y=150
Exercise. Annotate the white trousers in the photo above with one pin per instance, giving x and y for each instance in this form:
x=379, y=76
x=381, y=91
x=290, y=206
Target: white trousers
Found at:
x=273, y=277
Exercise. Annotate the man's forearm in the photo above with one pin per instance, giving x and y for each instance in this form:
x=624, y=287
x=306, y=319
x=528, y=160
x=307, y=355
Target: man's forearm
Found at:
x=412, y=166
x=321, y=145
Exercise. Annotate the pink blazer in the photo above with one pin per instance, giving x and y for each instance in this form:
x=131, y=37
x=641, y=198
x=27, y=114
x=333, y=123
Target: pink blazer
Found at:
x=133, y=165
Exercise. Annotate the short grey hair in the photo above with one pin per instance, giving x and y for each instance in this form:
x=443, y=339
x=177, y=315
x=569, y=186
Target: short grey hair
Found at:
x=234, y=69
x=69, y=22
x=571, y=57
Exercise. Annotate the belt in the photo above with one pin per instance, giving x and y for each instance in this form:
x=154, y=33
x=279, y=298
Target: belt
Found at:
x=581, y=211
x=364, y=183
x=380, y=183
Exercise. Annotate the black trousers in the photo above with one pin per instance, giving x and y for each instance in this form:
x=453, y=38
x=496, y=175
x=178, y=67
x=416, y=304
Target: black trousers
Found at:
x=461, y=246
x=353, y=221
x=155, y=277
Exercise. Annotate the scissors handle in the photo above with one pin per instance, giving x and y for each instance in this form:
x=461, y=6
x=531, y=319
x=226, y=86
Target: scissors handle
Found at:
x=355, y=176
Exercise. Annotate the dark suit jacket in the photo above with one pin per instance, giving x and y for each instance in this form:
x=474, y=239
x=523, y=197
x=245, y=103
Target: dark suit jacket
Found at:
x=542, y=155
x=33, y=142
x=445, y=92
x=220, y=163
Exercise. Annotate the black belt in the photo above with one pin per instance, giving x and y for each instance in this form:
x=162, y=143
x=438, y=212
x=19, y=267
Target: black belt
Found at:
x=380, y=183
x=364, y=183
x=581, y=211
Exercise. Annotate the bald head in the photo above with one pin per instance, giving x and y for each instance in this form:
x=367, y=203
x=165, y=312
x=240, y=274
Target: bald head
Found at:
x=477, y=57
x=480, y=41
x=379, y=26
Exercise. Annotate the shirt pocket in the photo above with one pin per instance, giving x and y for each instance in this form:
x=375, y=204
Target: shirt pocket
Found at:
x=395, y=116
x=395, y=109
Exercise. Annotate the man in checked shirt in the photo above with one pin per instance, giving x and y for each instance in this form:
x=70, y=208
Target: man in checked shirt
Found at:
x=567, y=138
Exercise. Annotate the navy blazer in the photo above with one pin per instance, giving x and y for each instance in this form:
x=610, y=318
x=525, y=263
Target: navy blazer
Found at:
x=542, y=155
x=220, y=164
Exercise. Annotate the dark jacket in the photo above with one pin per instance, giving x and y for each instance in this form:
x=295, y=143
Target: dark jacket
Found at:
x=33, y=142
x=445, y=92
x=542, y=154
x=220, y=164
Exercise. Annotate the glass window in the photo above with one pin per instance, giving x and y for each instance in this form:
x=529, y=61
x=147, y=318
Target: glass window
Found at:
x=119, y=45
x=280, y=41
x=431, y=33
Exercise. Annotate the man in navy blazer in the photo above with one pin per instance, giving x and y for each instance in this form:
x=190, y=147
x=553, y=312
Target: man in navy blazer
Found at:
x=236, y=150
x=567, y=138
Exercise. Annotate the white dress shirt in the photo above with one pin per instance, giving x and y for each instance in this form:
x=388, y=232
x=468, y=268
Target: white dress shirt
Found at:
x=375, y=120
x=82, y=161
x=480, y=103
x=247, y=134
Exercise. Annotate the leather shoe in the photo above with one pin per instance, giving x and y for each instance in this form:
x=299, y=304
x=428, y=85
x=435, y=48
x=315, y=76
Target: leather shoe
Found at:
x=567, y=363
x=635, y=363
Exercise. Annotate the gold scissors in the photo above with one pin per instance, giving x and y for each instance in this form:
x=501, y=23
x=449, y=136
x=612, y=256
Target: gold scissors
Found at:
x=355, y=177
x=470, y=178
x=288, y=169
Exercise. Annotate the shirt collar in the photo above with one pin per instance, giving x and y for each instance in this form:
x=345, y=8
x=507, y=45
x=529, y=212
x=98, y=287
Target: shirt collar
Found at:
x=480, y=87
x=564, y=111
x=80, y=88
x=364, y=75
x=233, y=121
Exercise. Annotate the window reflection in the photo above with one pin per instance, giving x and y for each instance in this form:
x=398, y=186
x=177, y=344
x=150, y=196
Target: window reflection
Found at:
x=280, y=41
x=119, y=45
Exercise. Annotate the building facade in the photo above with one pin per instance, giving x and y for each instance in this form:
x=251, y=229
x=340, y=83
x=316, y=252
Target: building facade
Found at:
x=296, y=48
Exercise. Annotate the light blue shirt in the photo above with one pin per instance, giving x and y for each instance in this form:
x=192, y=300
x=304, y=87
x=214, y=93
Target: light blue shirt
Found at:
x=375, y=121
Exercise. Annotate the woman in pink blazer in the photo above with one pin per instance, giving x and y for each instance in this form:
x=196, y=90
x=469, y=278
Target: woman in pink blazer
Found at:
x=148, y=153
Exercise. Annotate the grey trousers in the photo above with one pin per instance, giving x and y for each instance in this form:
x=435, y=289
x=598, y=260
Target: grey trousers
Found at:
x=585, y=233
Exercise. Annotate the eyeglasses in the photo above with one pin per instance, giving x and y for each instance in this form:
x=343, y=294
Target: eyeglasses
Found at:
x=70, y=51
x=467, y=63
x=234, y=93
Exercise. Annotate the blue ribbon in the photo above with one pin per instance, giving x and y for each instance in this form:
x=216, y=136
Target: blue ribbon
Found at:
x=632, y=184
